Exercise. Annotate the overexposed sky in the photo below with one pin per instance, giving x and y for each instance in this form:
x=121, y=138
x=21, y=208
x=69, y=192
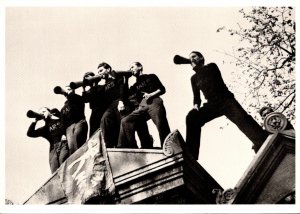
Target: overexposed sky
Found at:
x=50, y=46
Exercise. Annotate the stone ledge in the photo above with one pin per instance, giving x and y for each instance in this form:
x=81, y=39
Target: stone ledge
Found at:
x=272, y=167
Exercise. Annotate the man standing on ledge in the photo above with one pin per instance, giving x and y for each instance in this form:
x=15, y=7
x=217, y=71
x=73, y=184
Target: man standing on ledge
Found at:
x=54, y=132
x=147, y=90
x=73, y=118
x=95, y=96
x=220, y=101
x=115, y=88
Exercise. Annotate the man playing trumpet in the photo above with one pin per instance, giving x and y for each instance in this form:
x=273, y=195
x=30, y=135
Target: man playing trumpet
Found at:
x=73, y=118
x=95, y=97
x=115, y=87
x=54, y=132
x=220, y=101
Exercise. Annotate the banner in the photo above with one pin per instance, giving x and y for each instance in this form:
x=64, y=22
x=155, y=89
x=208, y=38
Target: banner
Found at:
x=86, y=174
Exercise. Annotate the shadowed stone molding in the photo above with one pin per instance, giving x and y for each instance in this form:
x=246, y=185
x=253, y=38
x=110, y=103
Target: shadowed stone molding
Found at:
x=224, y=197
x=270, y=177
x=288, y=199
x=274, y=122
x=173, y=143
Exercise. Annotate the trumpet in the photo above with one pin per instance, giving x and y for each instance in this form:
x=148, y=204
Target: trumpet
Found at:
x=33, y=114
x=124, y=73
x=86, y=81
x=75, y=85
x=59, y=90
x=181, y=60
x=91, y=80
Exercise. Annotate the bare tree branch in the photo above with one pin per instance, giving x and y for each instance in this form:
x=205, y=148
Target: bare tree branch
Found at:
x=266, y=57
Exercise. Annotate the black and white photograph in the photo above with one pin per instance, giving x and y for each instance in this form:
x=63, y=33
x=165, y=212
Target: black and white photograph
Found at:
x=185, y=105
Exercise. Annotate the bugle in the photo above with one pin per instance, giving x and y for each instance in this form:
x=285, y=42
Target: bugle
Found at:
x=33, y=114
x=91, y=80
x=124, y=73
x=181, y=60
x=59, y=90
x=75, y=85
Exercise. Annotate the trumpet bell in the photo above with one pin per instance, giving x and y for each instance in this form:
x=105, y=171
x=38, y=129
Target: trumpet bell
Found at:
x=181, y=60
x=33, y=114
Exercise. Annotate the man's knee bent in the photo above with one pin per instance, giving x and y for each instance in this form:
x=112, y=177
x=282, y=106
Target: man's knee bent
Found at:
x=191, y=116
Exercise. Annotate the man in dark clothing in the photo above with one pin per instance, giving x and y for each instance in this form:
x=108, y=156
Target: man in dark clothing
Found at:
x=220, y=101
x=114, y=93
x=54, y=132
x=141, y=127
x=73, y=119
x=94, y=96
x=147, y=90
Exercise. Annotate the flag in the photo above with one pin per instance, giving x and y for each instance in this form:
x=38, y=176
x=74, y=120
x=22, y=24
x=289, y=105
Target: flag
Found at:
x=86, y=174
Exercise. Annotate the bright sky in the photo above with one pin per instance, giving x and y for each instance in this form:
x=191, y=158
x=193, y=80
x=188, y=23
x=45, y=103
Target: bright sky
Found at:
x=46, y=47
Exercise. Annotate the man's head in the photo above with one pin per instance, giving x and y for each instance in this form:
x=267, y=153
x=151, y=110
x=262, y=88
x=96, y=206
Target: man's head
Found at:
x=45, y=112
x=69, y=90
x=88, y=74
x=136, y=68
x=196, y=58
x=104, y=69
x=264, y=111
x=55, y=112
